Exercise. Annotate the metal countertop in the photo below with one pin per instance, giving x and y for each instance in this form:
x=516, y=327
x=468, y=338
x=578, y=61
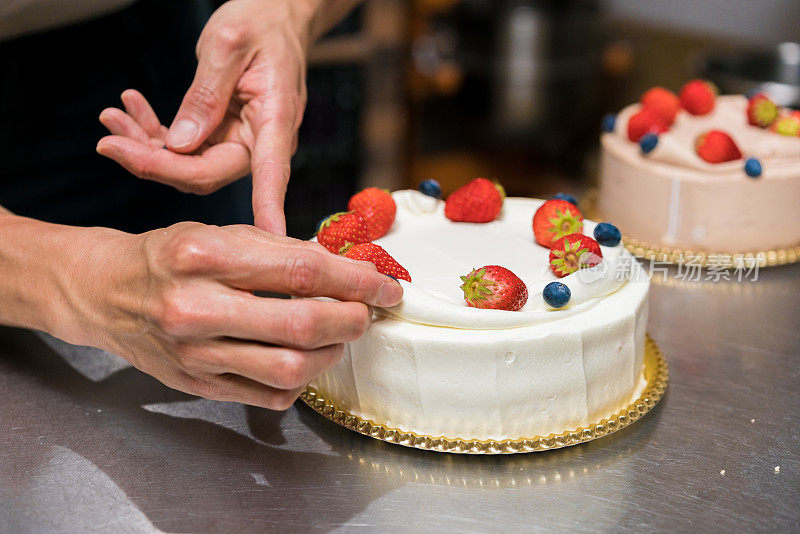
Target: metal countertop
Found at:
x=90, y=444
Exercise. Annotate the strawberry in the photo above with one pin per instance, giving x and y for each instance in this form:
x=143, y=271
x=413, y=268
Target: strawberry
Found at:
x=761, y=111
x=787, y=124
x=494, y=287
x=646, y=121
x=698, y=97
x=480, y=201
x=377, y=208
x=376, y=255
x=716, y=146
x=341, y=228
x=573, y=252
x=554, y=219
x=663, y=102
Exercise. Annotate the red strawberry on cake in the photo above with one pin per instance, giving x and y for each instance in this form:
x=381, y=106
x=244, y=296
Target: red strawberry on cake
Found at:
x=377, y=208
x=716, y=146
x=340, y=229
x=494, y=287
x=663, y=102
x=646, y=121
x=480, y=201
x=761, y=111
x=573, y=252
x=698, y=97
x=376, y=255
x=554, y=219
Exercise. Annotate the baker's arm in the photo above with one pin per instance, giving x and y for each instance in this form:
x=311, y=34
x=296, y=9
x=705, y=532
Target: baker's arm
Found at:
x=178, y=302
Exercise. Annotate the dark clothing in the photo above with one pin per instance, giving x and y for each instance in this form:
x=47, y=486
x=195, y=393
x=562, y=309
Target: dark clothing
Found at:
x=54, y=85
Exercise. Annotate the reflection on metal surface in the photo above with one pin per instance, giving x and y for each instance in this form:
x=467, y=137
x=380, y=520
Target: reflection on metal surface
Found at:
x=656, y=373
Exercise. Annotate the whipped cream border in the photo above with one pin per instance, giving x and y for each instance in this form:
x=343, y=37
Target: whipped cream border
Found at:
x=587, y=286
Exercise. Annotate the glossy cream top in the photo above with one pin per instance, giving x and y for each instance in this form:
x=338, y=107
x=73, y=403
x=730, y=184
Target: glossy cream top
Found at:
x=777, y=153
x=437, y=251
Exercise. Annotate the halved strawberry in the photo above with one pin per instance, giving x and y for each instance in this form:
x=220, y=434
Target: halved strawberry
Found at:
x=377, y=208
x=494, y=287
x=554, y=219
x=573, y=252
x=787, y=124
x=342, y=228
x=761, y=111
x=716, y=146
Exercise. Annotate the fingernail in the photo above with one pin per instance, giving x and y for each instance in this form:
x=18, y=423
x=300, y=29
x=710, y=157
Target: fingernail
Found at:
x=107, y=150
x=389, y=294
x=182, y=133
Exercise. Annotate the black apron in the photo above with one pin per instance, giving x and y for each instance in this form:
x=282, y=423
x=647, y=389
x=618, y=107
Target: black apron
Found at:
x=53, y=86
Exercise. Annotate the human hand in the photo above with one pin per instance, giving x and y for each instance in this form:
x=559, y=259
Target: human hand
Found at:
x=242, y=110
x=177, y=303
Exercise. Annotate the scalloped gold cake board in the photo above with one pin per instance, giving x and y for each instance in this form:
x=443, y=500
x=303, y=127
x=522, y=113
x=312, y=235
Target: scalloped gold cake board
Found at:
x=677, y=256
x=656, y=374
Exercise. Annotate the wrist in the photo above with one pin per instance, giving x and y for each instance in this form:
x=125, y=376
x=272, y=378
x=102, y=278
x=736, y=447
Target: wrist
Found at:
x=59, y=279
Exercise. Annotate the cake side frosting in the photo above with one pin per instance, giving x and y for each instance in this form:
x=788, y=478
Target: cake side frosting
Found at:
x=496, y=384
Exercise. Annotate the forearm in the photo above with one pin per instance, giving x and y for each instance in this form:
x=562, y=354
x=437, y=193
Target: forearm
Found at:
x=51, y=276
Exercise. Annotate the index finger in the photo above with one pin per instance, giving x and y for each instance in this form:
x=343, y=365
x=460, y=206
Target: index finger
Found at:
x=304, y=272
x=271, y=162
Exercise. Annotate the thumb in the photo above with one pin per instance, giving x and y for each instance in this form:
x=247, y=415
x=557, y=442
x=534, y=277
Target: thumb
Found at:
x=206, y=102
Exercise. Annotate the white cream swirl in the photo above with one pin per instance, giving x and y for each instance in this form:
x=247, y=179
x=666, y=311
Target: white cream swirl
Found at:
x=437, y=251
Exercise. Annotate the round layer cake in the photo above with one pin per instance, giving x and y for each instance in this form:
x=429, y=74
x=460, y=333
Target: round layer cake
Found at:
x=434, y=366
x=671, y=197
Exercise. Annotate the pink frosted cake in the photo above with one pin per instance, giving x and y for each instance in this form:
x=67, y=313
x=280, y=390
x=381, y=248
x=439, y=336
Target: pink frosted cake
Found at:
x=670, y=182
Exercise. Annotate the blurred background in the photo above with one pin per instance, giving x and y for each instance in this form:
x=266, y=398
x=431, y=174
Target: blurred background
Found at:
x=514, y=89
x=400, y=91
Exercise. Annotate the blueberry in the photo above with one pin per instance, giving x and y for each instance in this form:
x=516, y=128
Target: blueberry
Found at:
x=648, y=142
x=609, y=122
x=752, y=167
x=607, y=234
x=566, y=196
x=556, y=294
x=430, y=188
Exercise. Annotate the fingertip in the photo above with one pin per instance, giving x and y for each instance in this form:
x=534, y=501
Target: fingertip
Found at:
x=270, y=221
x=129, y=94
x=390, y=293
x=183, y=135
x=105, y=147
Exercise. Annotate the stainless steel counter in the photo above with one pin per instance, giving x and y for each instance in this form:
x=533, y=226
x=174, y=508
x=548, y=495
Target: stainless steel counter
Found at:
x=87, y=443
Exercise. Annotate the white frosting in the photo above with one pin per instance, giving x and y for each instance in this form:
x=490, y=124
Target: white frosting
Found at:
x=437, y=251
x=532, y=372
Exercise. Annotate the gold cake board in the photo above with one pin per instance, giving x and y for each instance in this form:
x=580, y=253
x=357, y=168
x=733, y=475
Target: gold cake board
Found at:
x=677, y=256
x=655, y=371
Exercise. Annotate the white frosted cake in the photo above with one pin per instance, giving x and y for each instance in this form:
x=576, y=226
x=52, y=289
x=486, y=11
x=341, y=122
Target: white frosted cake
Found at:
x=671, y=197
x=434, y=366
